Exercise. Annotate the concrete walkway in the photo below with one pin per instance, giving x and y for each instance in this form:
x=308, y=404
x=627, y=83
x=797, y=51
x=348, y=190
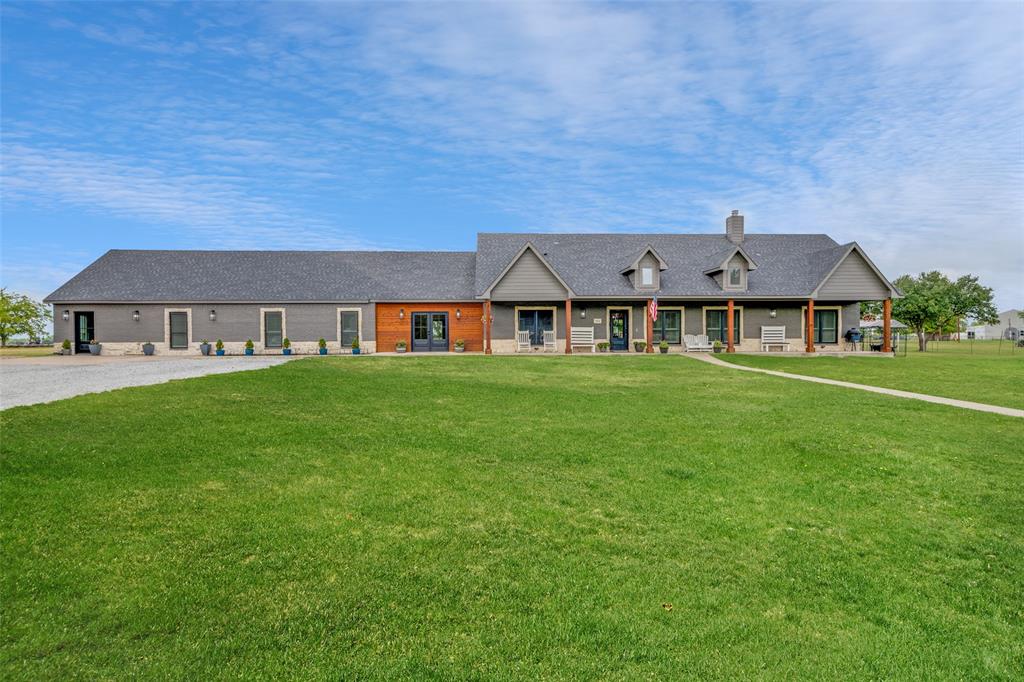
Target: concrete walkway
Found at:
x=938, y=400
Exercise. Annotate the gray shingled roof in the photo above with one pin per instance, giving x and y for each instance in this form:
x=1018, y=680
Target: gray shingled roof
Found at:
x=788, y=264
x=271, y=276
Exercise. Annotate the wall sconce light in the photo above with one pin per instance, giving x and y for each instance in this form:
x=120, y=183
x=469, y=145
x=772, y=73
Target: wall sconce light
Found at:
x=135, y=315
x=458, y=313
x=401, y=313
x=773, y=313
x=583, y=312
x=66, y=315
x=213, y=315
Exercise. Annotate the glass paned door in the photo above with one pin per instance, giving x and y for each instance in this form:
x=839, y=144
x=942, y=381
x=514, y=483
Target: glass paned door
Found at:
x=717, y=325
x=349, y=327
x=536, y=322
x=179, y=330
x=669, y=326
x=84, y=331
x=826, y=326
x=429, y=332
x=618, y=329
x=273, y=328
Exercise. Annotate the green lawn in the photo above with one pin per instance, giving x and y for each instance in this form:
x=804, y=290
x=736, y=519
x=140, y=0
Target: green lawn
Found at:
x=465, y=517
x=952, y=370
x=25, y=351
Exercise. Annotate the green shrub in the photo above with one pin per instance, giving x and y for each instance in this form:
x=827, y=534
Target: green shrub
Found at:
x=66, y=344
x=249, y=344
x=322, y=343
x=286, y=343
x=220, y=345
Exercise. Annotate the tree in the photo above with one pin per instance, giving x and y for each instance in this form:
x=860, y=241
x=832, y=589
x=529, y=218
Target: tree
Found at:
x=870, y=310
x=19, y=314
x=933, y=303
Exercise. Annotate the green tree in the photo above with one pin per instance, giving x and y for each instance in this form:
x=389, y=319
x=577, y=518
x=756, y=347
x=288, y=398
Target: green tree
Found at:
x=870, y=310
x=933, y=303
x=19, y=314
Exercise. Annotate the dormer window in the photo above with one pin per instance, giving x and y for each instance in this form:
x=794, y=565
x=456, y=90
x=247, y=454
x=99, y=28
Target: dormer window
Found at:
x=735, y=276
x=647, y=277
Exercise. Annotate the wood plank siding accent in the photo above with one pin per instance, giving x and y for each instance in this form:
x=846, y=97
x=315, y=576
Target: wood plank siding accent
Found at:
x=853, y=280
x=529, y=279
x=391, y=328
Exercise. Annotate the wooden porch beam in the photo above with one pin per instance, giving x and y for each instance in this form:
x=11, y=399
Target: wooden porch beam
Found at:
x=887, y=325
x=730, y=326
x=810, y=326
x=568, y=326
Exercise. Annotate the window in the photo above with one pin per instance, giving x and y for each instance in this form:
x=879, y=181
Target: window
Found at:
x=735, y=276
x=349, y=327
x=272, y=330
x=826, y=326
x=717, y=325
x=669, y=326
x=647, y=277
x=179, y=330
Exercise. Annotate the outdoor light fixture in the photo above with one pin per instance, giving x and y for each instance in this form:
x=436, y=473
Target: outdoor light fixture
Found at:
x=135, y=315
x=772, y=313
x=458, y=313
x=66, y=315
x=401, y=313
x=213, y=315
x=583, y=312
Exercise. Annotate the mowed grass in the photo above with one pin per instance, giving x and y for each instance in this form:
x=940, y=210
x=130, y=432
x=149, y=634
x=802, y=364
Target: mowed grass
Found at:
x=466, y=517
x=986, y=373
x=25, y=351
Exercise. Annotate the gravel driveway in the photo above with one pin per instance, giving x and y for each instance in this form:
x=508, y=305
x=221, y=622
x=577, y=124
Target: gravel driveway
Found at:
x=45, y=379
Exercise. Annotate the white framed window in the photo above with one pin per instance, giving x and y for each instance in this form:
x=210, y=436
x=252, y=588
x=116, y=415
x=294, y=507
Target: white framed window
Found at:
x=735, y=276
x=647, y=277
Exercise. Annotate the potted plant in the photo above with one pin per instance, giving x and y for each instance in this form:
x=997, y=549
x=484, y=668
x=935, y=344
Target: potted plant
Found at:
x=460, y=345
x=603, y=346
x=663, y=346
x=322, y=343
x=286, y=346
x=639, y=346
x=220, y=347
x=717, y=346
x=95, y=347
x=249, y=347
x=65, y=347
x=204, y=347
x=400, y=346
x=355, y=346
x=148, y=348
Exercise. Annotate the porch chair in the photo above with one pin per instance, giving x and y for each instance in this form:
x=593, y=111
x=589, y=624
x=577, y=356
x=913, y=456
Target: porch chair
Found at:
x=549, y=342
x=773, y=336
x=523, y=341
x=583, y=337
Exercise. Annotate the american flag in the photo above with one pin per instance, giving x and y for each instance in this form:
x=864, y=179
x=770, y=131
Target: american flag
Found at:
x=652, y=308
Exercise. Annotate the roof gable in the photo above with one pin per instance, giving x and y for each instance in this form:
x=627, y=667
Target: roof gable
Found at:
x=528, y=275
x=854, y=277
x=648, y=249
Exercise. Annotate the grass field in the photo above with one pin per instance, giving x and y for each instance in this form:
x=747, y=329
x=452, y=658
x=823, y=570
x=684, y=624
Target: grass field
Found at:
x=25, y=352
x=466, y=517
x=982, y=373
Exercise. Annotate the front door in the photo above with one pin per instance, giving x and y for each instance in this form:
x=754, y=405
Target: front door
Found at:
x=618, y=329
x=536, y=322
x=85, y=331
x=429, y=332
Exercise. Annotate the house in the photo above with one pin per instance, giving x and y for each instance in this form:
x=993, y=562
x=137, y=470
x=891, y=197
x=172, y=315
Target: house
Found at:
x=1009, y=327
x=514, y=290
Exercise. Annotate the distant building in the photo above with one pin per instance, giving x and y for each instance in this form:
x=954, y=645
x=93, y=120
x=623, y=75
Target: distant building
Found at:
x=1010, y=326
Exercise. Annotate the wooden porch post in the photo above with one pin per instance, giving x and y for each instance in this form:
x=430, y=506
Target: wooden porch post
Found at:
x=810, y=326
x=730, y=326
x=650, y=327
x=568, y=326
x=487, y=327
x=887, y=325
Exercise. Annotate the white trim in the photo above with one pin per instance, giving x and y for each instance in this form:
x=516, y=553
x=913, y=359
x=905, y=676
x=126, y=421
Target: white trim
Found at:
x=359, y=325
x=704, y=319
x=167, y=329
x=839, y=324
x=554, y=317
x=263, y=326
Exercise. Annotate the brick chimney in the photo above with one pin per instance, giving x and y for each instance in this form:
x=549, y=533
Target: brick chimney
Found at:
x=734, y=228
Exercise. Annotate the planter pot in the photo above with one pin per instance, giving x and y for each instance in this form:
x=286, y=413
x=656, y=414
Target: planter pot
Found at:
x=95, y=348
x=663, y=350
x=204, y=348
x=219, y=351
x=250, y=351
x=399, y=350
x=355, y=351
x=323, y=351
x=460, y=349
x=148, y=348
x=66, y=351
x=286, y=351
x=718, y=350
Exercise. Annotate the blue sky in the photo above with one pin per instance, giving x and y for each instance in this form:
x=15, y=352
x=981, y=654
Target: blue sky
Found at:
x=394, y=126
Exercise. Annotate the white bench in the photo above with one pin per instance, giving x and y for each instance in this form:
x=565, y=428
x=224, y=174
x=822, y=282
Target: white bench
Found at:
x=697, y=342
x=773, y=336
x=583, y=337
